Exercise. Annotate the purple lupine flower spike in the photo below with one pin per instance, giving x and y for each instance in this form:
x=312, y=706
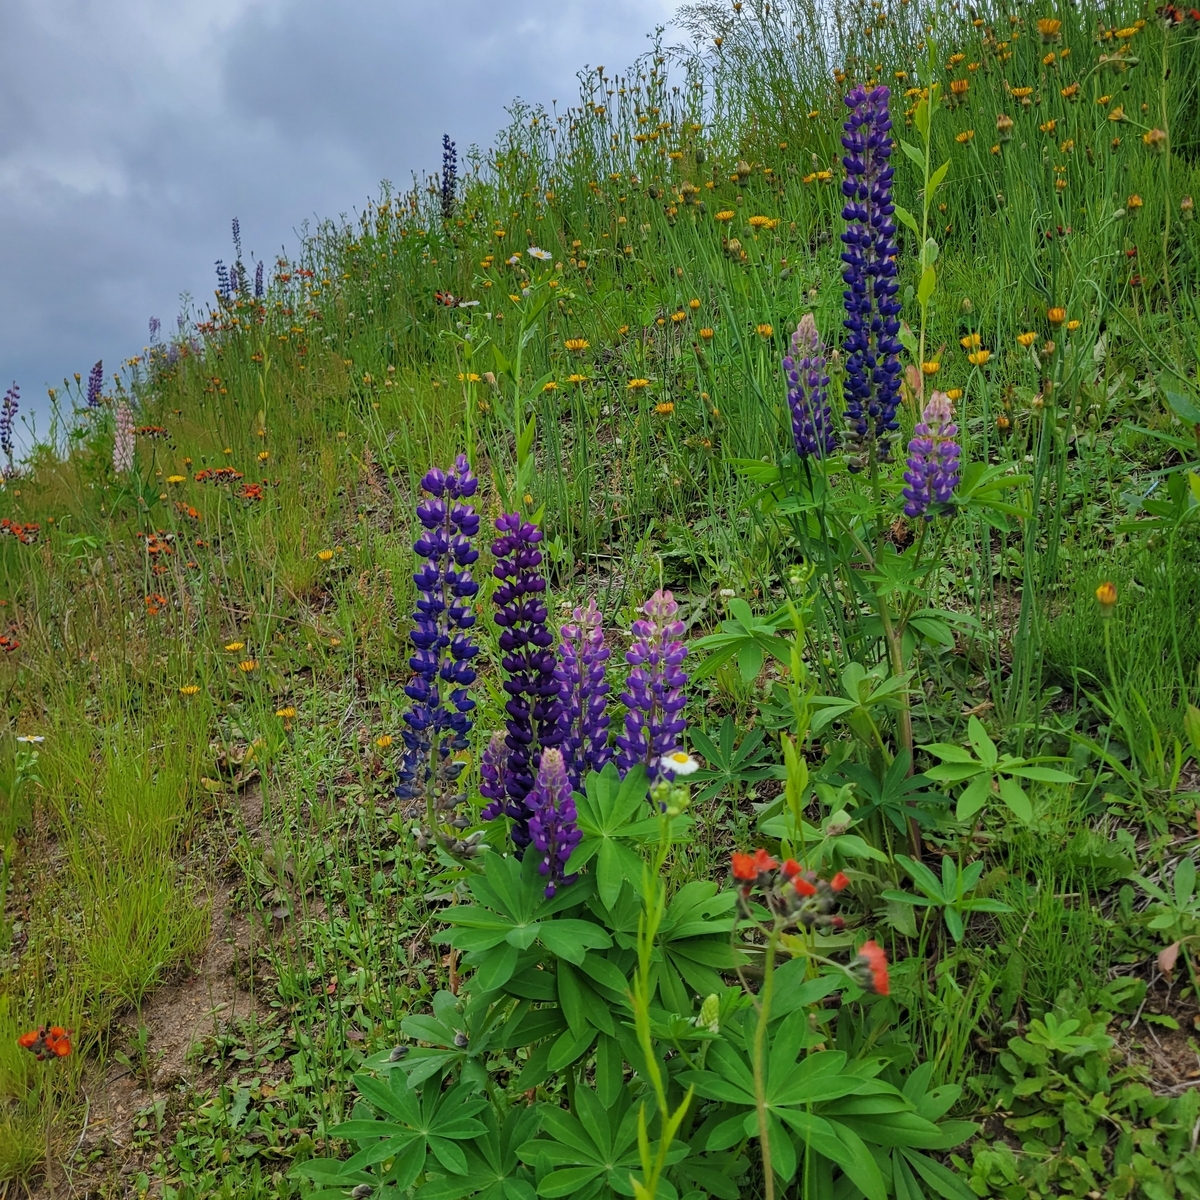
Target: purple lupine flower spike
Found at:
x=583, y=691
x=552, y=826
x=527, y=656
x=95, y=383
x=933, y=456
x=449, y=177
x=872, y=385
x=439, y=719
x=8, y=414
x=491, y=778
x=812, y=422
x=655, y=697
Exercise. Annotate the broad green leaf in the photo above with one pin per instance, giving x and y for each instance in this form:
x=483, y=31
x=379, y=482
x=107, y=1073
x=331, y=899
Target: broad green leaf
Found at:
x=1014, y=796
x=906, y=218
x=1185, y=881
x=926, y=286
x=914, y=155
x=983, y=745
x=935, y=180
x=974, y=797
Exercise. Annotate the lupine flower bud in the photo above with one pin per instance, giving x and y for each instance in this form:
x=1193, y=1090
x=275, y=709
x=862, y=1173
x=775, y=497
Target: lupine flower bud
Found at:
x=122, y=459
x=8, y=414
x=654, y=698
x=95, y=383
x=552, y=826
x=812, y=422
x=872, y=311
x=933, y=457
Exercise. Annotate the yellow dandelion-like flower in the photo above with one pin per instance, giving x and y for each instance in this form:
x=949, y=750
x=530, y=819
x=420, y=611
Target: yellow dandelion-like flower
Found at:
x=189, y=689
x=263, y=455
x=1050, y=29
x=247, y=665
x=706, y=335
x=726, y=214
x=954, y=394
x=1022, y=93
x=693, y=304
x=550, y=386
x=1073, y=325
x=765, y=330
x=965, y=136
x=978, y=357
x=665, y=408
x=335, y=641
x=1117, y=114
x=575, y=345
x=1128, y=32
x=637, y=384
x=678, y=316
x=383, y=741
x=1049, y=126
x=1056, y=316
x=234, y=647
x=970, y=342
x=324, y=555
x=287, y=712
x=577, y=378
x=959, y=87
x=1027, y=338
x=758, y=222
x=1134, y=201
x=930, y=368
x=176, y=478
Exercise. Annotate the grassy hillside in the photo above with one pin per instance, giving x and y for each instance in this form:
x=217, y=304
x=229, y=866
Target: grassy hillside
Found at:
x=206, y=875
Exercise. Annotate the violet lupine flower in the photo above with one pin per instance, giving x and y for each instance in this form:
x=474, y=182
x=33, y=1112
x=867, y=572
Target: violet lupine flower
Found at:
x=439, y=718
x=872, y=310
x=655, y=698
x=155, y=326
x=583, y=691
x=122, y=459
x=812, y=422
x=491, y=777
x=95, y=383
x=933, y=456
x=449, y=176
x=8, y=414
x=527, y=656
x=237, y=239
x=552, y=826
x=224, y=287
x=258, y=280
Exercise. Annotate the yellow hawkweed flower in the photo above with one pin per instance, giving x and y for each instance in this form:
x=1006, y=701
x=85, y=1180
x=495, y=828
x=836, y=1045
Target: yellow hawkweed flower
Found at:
x=635, y=385
x=1106, y=597
x=1128, y=32
x=678, y=316
x=1073, y=325
x=1050, y=29
x=978, y=357
x=189, y=689
x=324, y=555
x=1134, y=201
x=1022, y=93
x=1056, y=316
x=762, y=222
x=930, y=368
x=965, y=136
x=234, y=647
x=176, y=478
x=1027, y=338
x=287, y=712
x=665, y=408
x=765, y=331
x=959, y=87
x=1049, y=126
x=970, y=342
x=550, y=386
x=706, y=334
x=726, y=214
x=247, y=665
x=693, y=304
x=577, y=379
x=383, y=741
x=576, y=344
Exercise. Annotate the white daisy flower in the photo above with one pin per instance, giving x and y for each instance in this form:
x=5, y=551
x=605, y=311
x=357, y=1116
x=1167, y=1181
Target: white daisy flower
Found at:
x=30, y=738
x=541, y=255
x=679, y=762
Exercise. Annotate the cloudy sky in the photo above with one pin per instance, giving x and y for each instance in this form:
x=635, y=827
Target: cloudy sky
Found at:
x=131, y=131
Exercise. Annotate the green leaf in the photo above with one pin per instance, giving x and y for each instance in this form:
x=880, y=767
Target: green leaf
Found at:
x=935, y=180
x=914, y=155
x=906, y=218
x=983, y=745
x=1013, y=794
x=973, y=798
x=921, y=121
x=1185, y=881
x=572, y=939
x=927, y=284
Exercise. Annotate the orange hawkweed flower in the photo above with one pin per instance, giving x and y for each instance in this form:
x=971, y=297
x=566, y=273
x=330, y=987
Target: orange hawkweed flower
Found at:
x=840, y=881
x=44, y=1043
x=872, y=961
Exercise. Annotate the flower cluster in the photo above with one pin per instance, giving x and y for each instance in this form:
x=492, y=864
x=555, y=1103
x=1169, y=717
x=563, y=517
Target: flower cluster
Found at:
x=24, y=531
x=43, y=1042
x=449, y=176
x=812, y=422
x=122, y=459
x=8, y=414
x=439, y=718
x=95, y=383
x=933, y=455
x=654, y=698
x=552, y=827
x=789, y=890
x=583, y=693
x=527, y=656
x=872, y=309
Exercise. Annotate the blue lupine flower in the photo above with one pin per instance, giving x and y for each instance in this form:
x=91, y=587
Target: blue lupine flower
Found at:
x=95, y=383
x=552, y=820
x=439, y=719
x=8, y=414
x=583, y=691
x=933, y=455
x=449, y=176
x=812, y=421
x=872, y=385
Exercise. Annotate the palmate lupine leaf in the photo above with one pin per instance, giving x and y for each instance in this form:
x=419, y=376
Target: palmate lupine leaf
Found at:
x=729, y=766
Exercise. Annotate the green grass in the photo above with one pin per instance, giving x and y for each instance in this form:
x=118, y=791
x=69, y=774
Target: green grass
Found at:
x=348, y=379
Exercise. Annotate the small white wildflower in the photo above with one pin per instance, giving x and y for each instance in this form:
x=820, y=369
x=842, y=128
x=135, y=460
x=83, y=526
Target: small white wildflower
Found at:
x=468, y=304
x=727, y=593
x=541, y=255
x=516, y=258
x=30, y=738
x=679, y=762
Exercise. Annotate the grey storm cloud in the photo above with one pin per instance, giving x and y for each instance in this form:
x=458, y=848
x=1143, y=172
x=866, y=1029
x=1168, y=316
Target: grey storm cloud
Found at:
x=131, y=131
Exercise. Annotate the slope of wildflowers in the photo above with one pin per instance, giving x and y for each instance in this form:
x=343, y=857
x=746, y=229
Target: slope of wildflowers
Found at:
x=802, y=429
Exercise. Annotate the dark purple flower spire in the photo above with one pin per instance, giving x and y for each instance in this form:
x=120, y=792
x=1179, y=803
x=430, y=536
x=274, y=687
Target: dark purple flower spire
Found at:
x=933, y=456
x=95, y=383
x=655, y=698
x=527, y=656
x=439, y=718
x=812, y=422
x=258, y=280
x=552, y=826
x=224, y=287
x=872, y=311
x=583, y=691
x=449, y=176
x=8, y=414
